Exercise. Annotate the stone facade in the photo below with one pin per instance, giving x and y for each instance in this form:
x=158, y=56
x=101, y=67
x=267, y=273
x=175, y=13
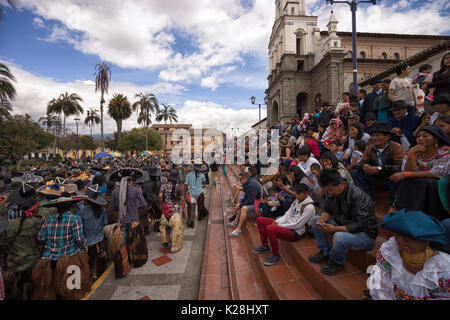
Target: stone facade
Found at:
x=308, y=66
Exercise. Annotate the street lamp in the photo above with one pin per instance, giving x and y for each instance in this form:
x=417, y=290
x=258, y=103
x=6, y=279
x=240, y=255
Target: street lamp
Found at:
x=253, y=99
x=354, y=6
x=76, y=120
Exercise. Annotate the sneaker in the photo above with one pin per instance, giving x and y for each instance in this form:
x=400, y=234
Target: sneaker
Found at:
x=331, y=268
x=235, y=233
x=318, y=258
x=232, y=224
x=272, y=260
x=261, y=249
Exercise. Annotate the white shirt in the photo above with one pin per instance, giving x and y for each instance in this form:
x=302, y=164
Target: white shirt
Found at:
x=306, y=166
x=389, y=280
x=294, y=219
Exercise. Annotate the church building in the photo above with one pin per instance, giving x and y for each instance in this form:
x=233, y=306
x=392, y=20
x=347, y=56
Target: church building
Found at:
x=308, y=66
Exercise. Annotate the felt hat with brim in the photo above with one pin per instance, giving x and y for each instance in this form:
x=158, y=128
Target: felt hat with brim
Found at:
x=354, y=117
x=61, y=200
x=283, y=143
x=199, y=167
x=370, y=116
x=438, y=133
x=415, y=224
x=24, y=196
x=93, y=195
x=442, y=98
x=133, y=173
x=382, y=127
x=51, y=190
x=28, y=178
x=83, y=176
x=399, y=104
x=154, y=171
x=174, y=175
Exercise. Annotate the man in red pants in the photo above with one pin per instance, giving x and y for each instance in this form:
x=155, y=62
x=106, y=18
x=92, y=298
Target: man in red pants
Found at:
x=289, y=227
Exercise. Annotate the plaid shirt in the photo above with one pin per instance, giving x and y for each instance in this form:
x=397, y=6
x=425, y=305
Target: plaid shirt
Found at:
x=62, y=238
x=2, y=289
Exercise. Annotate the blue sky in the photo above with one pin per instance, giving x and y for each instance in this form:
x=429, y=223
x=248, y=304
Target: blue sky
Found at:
x=206, y=57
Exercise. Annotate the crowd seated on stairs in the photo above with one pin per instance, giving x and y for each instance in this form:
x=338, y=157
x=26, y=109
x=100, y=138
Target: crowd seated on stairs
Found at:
x=415, y=179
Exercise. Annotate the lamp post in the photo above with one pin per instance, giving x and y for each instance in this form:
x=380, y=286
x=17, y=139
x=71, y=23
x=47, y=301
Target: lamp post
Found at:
x=354, y=6
x=253, y=99
x=76, y=120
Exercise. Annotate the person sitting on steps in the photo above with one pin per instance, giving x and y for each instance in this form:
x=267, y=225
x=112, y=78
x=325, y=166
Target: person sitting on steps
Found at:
x=349, y=216
x=289, y=227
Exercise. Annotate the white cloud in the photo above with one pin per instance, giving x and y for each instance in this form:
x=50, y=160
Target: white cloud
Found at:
x=38, y=23
x=34, y=92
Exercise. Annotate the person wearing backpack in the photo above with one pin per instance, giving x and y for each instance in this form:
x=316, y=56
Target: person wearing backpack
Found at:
x=290, y=227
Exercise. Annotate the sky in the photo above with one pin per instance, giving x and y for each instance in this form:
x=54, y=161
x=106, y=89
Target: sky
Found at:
x=206, y=58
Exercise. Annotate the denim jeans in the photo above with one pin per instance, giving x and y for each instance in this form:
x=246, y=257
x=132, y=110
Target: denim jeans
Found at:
x=125, y=228
x=342, y=242
x=367, y=182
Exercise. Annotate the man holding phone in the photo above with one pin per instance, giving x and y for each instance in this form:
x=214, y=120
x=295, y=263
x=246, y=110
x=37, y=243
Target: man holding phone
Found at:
x=349, y=216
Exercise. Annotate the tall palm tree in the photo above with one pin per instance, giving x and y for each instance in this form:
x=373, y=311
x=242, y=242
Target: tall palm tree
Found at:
x=7, y=91
x=146, y=104
x=119, y=109
x=102, y=78
x=5, y=108
x=67, y=105
x=12, y=4
x=92, y=118
x=167, y=113
x=50, y=121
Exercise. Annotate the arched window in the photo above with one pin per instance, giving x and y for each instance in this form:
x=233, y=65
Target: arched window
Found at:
x=349, y=55
x=384, y=56
x=362, y=55
x=397, y=56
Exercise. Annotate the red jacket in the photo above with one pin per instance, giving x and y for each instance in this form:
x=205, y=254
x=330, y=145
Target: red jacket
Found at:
x=314, y=146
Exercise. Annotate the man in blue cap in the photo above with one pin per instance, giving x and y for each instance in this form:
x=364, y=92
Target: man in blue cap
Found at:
x=407, y=267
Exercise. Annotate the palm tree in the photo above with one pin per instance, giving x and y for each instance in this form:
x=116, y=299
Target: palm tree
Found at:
x=119, y=109
x=66, y=104
x=7, y=91
x=102, y=78
x=146, y=104
x=166, y=113
x=12, y=4
x=50, y=121
x=92, y=118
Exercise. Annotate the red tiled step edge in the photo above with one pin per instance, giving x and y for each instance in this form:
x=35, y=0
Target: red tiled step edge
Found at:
x=282, y=281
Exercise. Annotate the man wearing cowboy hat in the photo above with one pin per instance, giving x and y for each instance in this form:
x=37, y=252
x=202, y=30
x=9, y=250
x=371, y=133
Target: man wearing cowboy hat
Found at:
x=195, y=181
x=403, y=122
x=441, y=105
x=380, y=160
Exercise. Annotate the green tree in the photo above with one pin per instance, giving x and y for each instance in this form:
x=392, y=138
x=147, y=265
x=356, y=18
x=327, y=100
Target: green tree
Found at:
x=119, y=109
x=50, y=121
x=135, y=140
x=87, y=143
x=146, y=105
x=166, y=113
x=7, y=90
x=102, y=77
x=12, y=4
x=19, y=136
x=67, y=105
x=92, y=118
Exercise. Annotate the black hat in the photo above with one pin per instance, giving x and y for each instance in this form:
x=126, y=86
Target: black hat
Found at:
x=24, y=196
x=442, y=98
x=174, y=175
x=399, y=104
x=199, y=167
x=133, y=173
x=93, y=194
x=325, y=104
x=438, y=133
x=370, y=116
x=154, y=171
x=382, y=127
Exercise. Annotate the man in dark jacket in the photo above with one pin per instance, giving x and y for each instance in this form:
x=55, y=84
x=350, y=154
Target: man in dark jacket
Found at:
x=326, y=115
x=403, y=122
x=371, y=100
x=380, y=160
x=348, y=215
x=252, y=190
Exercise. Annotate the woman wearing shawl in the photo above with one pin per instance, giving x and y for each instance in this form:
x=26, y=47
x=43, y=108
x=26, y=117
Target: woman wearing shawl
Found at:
x=335, y=131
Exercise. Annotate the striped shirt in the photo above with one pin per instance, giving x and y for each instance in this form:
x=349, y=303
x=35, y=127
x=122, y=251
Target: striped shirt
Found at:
x=195, y=183
x=62, y=238
x=133, y=197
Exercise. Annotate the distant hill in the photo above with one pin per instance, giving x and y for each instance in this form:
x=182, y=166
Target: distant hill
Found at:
x=99, y=136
